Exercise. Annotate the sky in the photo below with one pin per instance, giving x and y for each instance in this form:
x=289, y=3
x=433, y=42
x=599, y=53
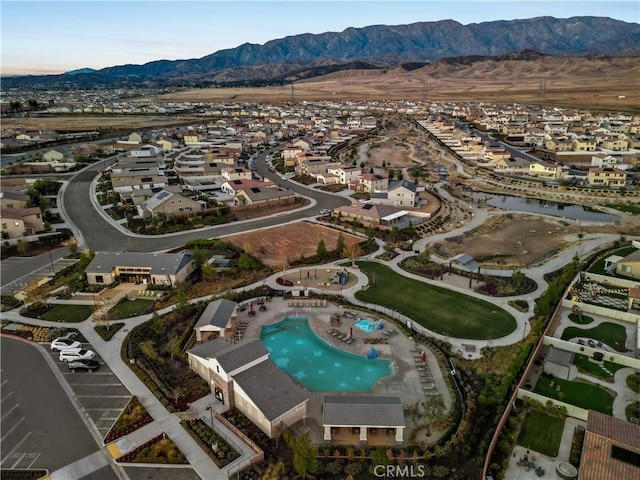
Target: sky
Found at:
x=50, y=37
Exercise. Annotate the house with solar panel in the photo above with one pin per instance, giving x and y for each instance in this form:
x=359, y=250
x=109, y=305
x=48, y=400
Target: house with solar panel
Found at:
x=242, y=375
x=169, y=204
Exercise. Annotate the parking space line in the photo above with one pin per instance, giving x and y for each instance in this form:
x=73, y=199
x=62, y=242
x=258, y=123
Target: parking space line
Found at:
x=34, y=460
x=10, y=410
x=15, y=425
x=103, y=396
x=2, y=384
x=7, y=396
x=96, y=384
x=19, y=460
x=16, y=447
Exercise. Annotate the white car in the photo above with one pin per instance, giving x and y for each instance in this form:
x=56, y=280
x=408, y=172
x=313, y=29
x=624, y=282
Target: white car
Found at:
x=72, y=354
x=61, y=343
x=325, y=211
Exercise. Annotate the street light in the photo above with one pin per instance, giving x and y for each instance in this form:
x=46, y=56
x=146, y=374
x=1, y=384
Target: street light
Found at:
x=524, y=330
x=53, y=273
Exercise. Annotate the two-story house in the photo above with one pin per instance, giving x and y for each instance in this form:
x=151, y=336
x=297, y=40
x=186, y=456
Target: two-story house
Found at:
x=606, y=177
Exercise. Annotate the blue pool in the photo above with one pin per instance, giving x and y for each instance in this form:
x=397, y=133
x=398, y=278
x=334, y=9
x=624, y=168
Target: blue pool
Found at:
x=297, y=350
x=367, y=324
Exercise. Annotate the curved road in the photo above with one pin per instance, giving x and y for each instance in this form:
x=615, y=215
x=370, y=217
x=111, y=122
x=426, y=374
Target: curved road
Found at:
x=99, y=234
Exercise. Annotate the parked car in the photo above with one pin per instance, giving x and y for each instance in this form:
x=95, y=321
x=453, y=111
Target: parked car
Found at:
x=325, y=211
x=61, y=343
x=71, y=354
x=88, y=365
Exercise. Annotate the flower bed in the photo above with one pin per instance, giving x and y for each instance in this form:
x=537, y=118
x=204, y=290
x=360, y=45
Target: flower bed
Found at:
x=132, y=418
x=220, y=451
x=107, y=332
x=284, y=282
x=160, y=449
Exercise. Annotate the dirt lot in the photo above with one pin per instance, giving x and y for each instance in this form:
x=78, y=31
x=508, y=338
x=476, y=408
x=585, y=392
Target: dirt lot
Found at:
x=509, y=240
x=278, y=245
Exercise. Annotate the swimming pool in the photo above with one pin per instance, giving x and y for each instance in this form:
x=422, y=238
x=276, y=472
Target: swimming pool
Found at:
x=297, y=350
x=367, y=324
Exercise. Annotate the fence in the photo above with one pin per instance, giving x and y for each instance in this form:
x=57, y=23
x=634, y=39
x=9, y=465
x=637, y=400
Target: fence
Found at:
x=259, y=453
x=586, y=350
x=572, y=410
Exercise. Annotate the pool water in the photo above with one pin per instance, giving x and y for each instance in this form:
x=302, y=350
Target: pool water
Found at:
x=367, y=324
x=297, y=350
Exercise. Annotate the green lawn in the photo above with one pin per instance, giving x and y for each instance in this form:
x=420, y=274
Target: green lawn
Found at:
x=598, y=267
x=584, y=364
x=610, y=333
x=633, y=382
x=625, y=208
x=541, y=433
x=435, y=308
x=130, y=308
x=580, y=394
x=68, y=313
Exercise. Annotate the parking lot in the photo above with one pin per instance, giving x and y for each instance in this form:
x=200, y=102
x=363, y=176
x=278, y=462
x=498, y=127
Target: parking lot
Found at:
x=100, y=393
x=41, y=427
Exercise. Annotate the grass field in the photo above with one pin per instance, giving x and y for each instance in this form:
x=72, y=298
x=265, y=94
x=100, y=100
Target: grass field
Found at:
x=610, y=333
x=585, y=365
x=541, y=433
x=580, y=319
x=130, y=308
x=598, y=267
x=437, y=309
x=580, y=394
x=68, y=313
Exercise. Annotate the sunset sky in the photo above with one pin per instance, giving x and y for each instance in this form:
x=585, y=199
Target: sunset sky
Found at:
x=54, y=37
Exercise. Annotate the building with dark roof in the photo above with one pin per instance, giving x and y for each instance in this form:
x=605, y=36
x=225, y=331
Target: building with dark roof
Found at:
x=241, y=375
x=154, y=268
x=218, y=320
x=611, y=449
x=365, y=416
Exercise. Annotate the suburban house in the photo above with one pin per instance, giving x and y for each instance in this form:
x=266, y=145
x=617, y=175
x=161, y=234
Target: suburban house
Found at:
x=53, y=155
x=146, y=268
x=168, y=204
x=629, y=266
x=13, y=200
x=402, y=193
x=347, y=175
x=610, y=450
x=242, y=375
x=230, y=174
x=234, y=186
x=606, y=177
x=18, y=222
x=380, y=216
x=372, y=182
x=542, y=169
x=365, y=419
x=260, y=196
x=219, y=319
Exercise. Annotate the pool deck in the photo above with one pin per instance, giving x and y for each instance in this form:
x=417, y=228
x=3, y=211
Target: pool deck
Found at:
x=408, y=383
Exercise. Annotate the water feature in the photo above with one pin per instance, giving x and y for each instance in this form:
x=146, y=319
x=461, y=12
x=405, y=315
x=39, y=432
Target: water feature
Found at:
x=545, y=207
x=367, y=324
x=297, y=350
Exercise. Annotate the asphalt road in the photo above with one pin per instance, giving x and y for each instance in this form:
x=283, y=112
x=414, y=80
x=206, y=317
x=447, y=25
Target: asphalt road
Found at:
x=18, y=272
x=100, y=235
x=40, y=426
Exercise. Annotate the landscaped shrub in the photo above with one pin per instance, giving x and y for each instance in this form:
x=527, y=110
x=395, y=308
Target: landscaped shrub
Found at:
x=221, y=452
x=132, y=418
x=107, y=332
x=19, y=474
x=160, y=449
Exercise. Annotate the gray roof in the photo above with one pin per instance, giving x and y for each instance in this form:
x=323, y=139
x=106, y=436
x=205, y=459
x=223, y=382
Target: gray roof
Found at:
x=409, y=185
x=559, y=357
x=217, y=313
x=362, y=410
x=270, y=389
x=230, y=356
x=160, y=263
x=466, y=261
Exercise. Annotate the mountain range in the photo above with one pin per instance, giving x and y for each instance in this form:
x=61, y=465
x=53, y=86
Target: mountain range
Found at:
x=374, y=47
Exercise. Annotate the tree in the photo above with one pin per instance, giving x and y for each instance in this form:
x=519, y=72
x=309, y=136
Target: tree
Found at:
x=518, y=278
x=304, y=454
x=321, y=250
x=248, y=262
x=209, y=273
x=352, y=252
x=22, y=247
x=199, y=260
x=340, y=244
x=182, y=304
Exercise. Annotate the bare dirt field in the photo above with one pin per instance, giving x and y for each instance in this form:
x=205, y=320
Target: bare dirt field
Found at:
x=510, y=240
x=570, y=82
x=279, y=245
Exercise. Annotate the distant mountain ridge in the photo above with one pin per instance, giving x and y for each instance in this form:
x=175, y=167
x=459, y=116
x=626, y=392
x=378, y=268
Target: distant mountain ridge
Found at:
x=380, y=46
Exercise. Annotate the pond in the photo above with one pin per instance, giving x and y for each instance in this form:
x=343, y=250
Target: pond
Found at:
x=544, y=207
